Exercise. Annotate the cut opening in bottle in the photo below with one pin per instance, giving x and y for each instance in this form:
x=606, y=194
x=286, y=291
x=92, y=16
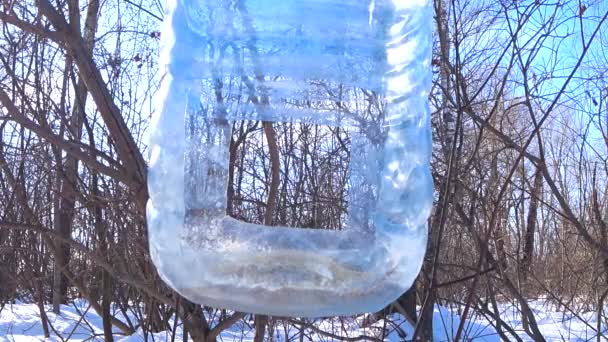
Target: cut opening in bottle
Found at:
x=316, y=170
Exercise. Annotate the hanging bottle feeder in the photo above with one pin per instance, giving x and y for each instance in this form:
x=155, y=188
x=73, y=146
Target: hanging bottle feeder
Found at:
x=361, y=65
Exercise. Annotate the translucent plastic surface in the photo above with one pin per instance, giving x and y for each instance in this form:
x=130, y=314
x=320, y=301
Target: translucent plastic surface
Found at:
x=356, y=64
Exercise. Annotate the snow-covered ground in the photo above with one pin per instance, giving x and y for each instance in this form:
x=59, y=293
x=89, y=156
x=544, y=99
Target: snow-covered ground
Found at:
x=78, y=322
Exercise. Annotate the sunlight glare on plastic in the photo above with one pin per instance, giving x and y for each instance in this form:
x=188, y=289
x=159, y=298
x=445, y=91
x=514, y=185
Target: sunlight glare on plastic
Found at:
x=231, y=60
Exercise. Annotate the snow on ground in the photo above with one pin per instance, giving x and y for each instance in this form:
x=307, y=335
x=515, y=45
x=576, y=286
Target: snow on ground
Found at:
x=21, y=322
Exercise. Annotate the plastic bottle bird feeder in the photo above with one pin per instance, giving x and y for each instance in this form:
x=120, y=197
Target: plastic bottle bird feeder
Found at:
x=360, y=65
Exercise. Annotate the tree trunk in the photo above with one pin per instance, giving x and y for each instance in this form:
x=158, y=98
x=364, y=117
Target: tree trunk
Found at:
x=408, y=302
x=68, y=172
x=528, y=250
x=425, y=331
x=106, y=278
x=262, y=320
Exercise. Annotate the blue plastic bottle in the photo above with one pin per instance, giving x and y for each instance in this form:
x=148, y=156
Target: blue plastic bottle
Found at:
x=359, y=64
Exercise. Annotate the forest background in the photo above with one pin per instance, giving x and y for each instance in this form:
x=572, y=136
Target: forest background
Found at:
x=520, y=128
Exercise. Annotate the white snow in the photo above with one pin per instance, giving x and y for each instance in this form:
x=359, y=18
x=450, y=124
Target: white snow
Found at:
x=78, y=322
